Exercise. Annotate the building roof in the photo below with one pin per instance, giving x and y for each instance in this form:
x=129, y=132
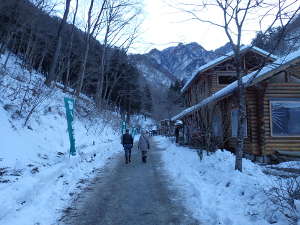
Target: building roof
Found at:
x=248, y=80
x=178, y=122
x=224, y=58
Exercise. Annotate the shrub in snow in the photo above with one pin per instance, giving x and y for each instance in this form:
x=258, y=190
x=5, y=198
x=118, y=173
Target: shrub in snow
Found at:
x=284, y=195
x=25, y=91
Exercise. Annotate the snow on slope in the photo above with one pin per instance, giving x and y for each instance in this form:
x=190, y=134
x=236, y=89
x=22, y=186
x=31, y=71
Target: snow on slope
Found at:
x=154, y=75
x=216, y=193
x=37, y=176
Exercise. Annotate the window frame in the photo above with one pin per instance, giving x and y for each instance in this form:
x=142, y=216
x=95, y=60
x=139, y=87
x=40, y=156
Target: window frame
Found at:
x=232, y=76
x=271, y=117
x=225, y=74
x=219, y=122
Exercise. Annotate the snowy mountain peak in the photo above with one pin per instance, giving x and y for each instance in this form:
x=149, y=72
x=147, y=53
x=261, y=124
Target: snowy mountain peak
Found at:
x=178, y=62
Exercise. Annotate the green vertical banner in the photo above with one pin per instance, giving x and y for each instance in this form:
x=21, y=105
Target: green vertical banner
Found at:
x=69, y=104
x=123, y=127
x=133, y=131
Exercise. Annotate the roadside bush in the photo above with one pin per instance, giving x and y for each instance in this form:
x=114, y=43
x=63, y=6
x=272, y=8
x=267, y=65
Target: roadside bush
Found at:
x=284, y=194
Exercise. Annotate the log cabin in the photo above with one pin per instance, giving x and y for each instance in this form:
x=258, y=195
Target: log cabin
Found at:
x=220, y=72
x=166, y=127
x=272, y=108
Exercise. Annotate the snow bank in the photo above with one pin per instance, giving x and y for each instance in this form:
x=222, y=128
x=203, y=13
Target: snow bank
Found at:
x=37, y=176
x=290, y=164
x=215, y=192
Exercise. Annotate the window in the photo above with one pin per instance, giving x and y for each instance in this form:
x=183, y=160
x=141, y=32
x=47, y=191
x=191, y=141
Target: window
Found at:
x=203, y=88
x=217, y=125
x=285, y=118
x=226, y=79
x=234, y=124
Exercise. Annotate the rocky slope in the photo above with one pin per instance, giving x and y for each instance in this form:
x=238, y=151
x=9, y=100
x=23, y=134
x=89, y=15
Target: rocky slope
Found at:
x=175, y=63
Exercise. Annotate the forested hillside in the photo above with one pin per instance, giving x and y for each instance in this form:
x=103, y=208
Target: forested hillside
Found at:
x=88, y=61
x=280, y=40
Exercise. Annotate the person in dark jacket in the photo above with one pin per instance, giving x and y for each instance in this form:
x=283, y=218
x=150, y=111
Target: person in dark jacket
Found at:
x=144, y=146
x=176, y=134
x=127, y=142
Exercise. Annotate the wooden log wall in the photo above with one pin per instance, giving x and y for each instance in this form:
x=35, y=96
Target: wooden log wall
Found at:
x=253, y=137
x=252, y=140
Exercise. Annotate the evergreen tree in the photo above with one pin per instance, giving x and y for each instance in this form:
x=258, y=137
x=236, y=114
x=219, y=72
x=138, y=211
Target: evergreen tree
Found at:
x=148, y=99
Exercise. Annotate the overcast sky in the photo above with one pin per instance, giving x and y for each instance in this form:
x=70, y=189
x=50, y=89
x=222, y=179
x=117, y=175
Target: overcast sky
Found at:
x=166, y=26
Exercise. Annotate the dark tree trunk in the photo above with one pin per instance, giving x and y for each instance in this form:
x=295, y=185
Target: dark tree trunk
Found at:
x=70, y=49
x=52, y=73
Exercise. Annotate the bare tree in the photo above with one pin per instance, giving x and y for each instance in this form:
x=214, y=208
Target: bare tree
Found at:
x=235, y=15
x=119, y=15
x=92, y=28
x=52, y=72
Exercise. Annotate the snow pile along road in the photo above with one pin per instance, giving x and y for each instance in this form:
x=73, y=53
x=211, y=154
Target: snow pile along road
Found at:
x=215, y=192
x=37, y=176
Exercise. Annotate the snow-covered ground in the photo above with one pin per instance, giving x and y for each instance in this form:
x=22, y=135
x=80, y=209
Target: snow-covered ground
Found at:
x=144, y=123
x=37, y=176
x=215, y=192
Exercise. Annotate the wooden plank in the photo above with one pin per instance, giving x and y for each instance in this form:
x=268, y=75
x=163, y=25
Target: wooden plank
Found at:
x=252, y=118
x=284, y=146
x=279, y=147
x=293, y=87
x=286, y=138
x=283, y=95
x=283, y=85
x=286, y=141
x=284, y=92
x=251, y=101
x=282, y=149
x=253, y=121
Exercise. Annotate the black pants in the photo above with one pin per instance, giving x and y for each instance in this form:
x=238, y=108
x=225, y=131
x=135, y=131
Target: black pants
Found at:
x=144, y=156
x=128, y=155
x=127, y=149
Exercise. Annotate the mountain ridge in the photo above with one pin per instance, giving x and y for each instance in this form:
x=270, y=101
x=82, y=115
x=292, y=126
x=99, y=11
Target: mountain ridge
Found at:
x=164, y=67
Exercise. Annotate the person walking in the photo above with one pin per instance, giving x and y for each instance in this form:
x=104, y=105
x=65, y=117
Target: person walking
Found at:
x=176, y=134
x=144, y=146
x=127, y=142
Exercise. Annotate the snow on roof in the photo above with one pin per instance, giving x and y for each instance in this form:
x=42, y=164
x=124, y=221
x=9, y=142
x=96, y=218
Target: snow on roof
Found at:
x=221, y=59
x=248, y=80
x=178, y=123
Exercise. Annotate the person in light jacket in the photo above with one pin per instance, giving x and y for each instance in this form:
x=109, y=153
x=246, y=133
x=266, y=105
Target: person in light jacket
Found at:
x=144, y=146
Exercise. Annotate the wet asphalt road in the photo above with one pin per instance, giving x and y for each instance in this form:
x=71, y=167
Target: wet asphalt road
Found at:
x=132, y=194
